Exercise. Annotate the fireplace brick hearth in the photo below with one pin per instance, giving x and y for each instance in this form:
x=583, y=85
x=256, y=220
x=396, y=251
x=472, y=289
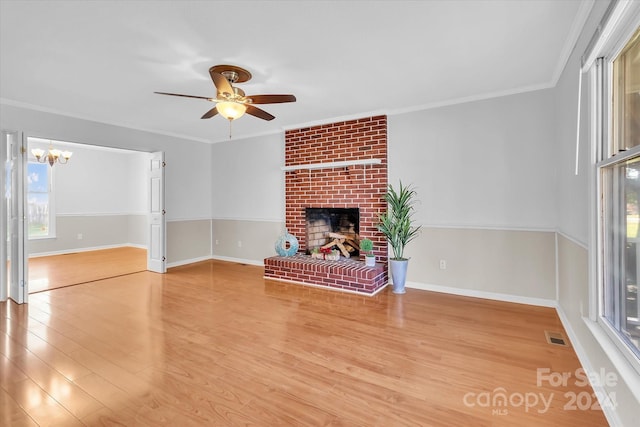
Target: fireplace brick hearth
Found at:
x=355, y=186
x=345, y=275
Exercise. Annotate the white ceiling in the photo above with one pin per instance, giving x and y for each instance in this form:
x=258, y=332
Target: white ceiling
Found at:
x=102, y=60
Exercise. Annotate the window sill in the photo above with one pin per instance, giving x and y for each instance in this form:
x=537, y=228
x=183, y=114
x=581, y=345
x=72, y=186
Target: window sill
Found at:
x=629, y=374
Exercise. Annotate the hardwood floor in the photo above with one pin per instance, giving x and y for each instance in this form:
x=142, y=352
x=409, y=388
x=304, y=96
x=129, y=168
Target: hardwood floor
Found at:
x=215, y=344
x=58, y=271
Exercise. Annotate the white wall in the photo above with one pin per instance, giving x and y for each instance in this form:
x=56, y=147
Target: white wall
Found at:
x=99, y=181
x=479, y=164
x=485, y=179
x=247, y=198
x=572, y=192
x=247, y=182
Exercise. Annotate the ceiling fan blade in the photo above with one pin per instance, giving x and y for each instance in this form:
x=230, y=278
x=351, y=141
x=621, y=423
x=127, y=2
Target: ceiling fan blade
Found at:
x=186, y=96
x=221, y=82
x=257, y=112
x=271, y=99
x=210, y=113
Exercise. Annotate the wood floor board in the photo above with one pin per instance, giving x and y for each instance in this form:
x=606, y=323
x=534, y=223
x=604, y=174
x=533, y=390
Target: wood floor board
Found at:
x=12, y=414
x=107, y=417
x=40, y=406
x=58, y=271
x=213, y=400
x=214, y=343
x=60, y=388
x=51, y=336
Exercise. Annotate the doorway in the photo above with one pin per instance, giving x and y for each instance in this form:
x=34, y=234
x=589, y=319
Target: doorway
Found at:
x=103, y=215
x=86, y=209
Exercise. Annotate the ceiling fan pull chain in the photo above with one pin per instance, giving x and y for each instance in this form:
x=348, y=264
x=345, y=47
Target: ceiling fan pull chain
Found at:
x=230, y=128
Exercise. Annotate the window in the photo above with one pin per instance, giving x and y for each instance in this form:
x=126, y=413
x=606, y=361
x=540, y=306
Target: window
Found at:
x=40, y=217
x=626, y=96
x=620, y=198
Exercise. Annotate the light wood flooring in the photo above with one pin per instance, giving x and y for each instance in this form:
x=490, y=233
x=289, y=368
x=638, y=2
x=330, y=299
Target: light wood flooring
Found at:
x=58, y=271
x=215, y=344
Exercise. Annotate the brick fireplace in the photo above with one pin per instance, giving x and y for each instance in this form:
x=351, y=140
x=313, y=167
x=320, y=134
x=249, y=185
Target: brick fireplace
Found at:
x=315, y=177
x=320, y=222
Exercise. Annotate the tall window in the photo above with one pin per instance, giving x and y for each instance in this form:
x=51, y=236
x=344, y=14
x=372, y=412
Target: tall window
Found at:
x=620, y=196
x=39, y=201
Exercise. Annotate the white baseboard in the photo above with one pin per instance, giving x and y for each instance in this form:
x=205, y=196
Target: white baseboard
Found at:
x=88, y=249
x=219, y=258
x=187, y=261
x=238, y=260
x=543, y=302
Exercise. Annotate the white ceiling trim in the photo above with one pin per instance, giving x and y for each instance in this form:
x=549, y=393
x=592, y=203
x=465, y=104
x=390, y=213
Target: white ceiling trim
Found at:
x=18, y=104
x=570, y=44
x=469, y=99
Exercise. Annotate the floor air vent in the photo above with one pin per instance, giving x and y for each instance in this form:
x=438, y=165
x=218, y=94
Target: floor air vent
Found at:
x=556, y=338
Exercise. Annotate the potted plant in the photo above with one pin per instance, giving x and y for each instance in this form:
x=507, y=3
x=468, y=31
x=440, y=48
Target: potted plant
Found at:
x=398, y=227
x=366, y=246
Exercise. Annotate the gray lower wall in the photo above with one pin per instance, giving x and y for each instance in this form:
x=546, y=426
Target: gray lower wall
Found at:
x=244, y=240
x=97, y=231
x=188, y=241
x=516, y=263
x=138, y=230
x=510, y=262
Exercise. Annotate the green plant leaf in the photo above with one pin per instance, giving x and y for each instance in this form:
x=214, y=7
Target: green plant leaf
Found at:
x=397, y=224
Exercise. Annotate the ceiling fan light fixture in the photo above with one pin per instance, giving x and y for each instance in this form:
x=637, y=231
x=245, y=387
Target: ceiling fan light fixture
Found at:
x=231, y=110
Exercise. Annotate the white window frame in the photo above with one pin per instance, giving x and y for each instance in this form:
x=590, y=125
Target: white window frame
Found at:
x=617, y=28
x=52, y=204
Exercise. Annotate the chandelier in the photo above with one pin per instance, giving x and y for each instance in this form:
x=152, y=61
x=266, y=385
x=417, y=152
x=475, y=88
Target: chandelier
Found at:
x=52, y=156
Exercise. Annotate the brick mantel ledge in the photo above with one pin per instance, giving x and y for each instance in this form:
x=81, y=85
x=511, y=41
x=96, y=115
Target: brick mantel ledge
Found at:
x=345, y=275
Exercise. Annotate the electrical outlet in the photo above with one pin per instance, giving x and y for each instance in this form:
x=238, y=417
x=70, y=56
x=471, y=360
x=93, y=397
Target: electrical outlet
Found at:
x=239, y=243
x=217, y=242
x=80, y=236
x=443, y=264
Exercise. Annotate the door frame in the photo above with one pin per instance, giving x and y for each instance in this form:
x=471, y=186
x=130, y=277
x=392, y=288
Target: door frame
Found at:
x=14, y=283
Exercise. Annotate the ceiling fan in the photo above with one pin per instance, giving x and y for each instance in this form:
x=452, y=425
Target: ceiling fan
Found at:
x=231, y=101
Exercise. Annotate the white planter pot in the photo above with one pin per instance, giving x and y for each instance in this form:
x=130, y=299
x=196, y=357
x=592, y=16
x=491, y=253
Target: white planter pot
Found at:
x=398, y=274
x=370, y=261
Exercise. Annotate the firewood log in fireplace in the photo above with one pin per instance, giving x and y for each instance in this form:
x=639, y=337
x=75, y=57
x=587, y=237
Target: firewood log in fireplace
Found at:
x=345, y=244
x=351, y=243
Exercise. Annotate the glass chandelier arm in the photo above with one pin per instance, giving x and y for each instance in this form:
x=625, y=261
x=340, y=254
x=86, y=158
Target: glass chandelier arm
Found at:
x=38, y=153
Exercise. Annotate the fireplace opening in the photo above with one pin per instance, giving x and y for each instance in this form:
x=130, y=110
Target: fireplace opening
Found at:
x=323, y=223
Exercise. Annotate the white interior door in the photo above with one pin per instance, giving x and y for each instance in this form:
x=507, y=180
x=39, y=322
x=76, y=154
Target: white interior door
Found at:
x=156, y=252
x=5, y=248
x=13, y=254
